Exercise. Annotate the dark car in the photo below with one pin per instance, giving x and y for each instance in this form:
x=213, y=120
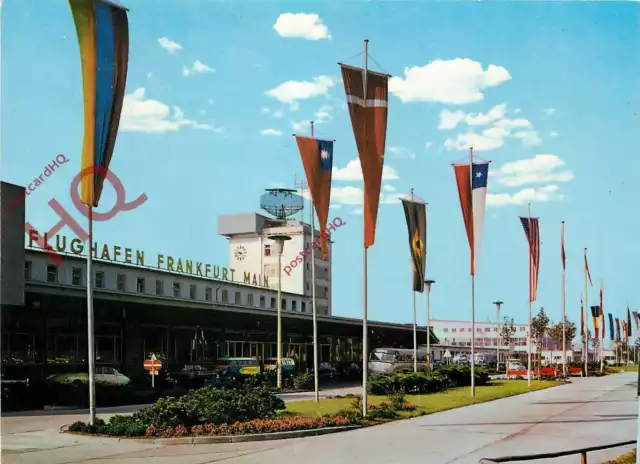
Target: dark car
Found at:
x=325, y=371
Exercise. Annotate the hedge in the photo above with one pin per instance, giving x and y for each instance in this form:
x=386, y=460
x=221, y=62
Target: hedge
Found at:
x=421, y=382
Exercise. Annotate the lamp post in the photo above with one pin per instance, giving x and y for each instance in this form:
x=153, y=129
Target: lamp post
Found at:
x=279, y=239
x=498, y=304
x=428, y=284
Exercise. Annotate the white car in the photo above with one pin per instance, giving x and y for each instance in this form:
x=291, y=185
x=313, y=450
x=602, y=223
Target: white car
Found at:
x=104, y=375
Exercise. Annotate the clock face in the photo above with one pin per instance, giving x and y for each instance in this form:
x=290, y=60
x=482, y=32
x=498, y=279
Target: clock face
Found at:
x=240, y=253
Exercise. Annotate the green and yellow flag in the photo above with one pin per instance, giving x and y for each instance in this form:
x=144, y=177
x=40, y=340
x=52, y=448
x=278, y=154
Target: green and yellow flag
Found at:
x=416, y=215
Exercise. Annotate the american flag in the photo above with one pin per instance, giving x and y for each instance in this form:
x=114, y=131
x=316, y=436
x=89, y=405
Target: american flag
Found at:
x=530, y=226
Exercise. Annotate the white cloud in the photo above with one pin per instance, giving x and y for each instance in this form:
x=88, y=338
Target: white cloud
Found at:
x=539, y=169
x=428, y=145
x=266, y=110
x=353, y=171
x=358, y=212
x=149, y=75
x=492, y=137
x=301, y=25
x=152, y=116
x=277, y=114
x=291, y=91
x=388, y=188
x=197, y=68
x=322, y=116
x=541, y=194
x=554, y=134
x=270, y=132
x=401, y=152
x=211, y=101
x=169, y=45
x=516, y=111
x=456, y=81
x=549, y=111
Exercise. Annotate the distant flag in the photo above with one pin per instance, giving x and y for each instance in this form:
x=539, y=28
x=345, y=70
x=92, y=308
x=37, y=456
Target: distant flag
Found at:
x=581, y=318
x=530, y=226
x=611, y=328
x=629, y=330
x=636, y=318
x=562, y=254
x=604, y=329
x=317, y=159
x=617, y=329
x=369, y=121
x=595, y=314
x=416, y=215
x=103, y=35
x=472, y=190
x=624, y=332
x=586, y=267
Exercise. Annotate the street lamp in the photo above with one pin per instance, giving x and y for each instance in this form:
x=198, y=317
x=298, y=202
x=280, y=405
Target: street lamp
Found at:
x=428, y=283
x=498, y=304
x=279, y=239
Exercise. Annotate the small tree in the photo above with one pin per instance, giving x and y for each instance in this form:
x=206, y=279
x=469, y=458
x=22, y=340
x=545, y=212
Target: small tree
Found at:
x=539, y=326
x=507, y=333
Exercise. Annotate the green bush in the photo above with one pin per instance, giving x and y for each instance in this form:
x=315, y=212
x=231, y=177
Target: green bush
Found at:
x=303, y=381
x=420, y=382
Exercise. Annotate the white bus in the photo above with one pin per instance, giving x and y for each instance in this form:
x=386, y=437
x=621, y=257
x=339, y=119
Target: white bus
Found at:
x=387, y=360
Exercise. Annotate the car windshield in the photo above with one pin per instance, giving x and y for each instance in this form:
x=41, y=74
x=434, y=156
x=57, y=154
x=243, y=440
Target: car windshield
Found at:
x=383, y=356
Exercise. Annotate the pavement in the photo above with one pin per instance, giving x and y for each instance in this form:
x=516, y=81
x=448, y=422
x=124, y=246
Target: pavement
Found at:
x=587, y=412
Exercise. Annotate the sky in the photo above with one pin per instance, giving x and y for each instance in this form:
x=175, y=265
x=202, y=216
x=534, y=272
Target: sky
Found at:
x=548, y=91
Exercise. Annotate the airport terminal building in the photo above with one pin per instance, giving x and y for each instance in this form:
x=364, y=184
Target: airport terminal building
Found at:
x=183, y=311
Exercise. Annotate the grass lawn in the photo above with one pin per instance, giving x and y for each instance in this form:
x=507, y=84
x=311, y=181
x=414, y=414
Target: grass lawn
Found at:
x=629, y=458
x=628, y=368
x=426, y=404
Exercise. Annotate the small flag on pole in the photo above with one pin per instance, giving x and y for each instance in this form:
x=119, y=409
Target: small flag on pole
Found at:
x=416, y=216
x=581, y=318
x=604, y=327
x=595, y=313
x=562, y=254
x=586, y=267
x=628, y=322
x=636, y=317
x=617, y=329
x=612, y=335
x=530, y=226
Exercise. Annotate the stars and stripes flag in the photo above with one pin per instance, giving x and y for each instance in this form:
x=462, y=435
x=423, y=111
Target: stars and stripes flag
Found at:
x=531, y=230
x=317, y=159
x=472, y=189
x=586, y=267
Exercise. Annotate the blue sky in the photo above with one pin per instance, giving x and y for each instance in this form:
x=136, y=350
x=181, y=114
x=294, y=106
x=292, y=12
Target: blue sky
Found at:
x=547, y=91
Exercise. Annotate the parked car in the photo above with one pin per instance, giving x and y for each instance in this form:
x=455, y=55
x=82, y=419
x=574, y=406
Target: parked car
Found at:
x=325, y=371
x=104, y=375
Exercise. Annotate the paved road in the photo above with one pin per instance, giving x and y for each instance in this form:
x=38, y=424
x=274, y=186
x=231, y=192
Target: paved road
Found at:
x=587, y=412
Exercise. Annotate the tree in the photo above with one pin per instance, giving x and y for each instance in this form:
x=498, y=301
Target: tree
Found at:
x=539, y=326
x=507, y=333
x=555, y=331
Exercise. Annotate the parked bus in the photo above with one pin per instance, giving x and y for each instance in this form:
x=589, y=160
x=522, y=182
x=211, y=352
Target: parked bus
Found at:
x=387, y=360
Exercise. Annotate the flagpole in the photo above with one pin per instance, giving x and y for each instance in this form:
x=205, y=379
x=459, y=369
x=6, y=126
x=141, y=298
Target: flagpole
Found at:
x=564, y=307
x=473, y=288
x=316, y=379
x=530, y=283
x=586, y=317
x=90, y=334
x=365, y=354
x=602, y=324
x=415, y=331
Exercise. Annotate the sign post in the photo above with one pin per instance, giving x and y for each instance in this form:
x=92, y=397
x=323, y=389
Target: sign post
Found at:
x=153, y=365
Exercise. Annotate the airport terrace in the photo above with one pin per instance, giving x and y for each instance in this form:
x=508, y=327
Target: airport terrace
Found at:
x=123, y=255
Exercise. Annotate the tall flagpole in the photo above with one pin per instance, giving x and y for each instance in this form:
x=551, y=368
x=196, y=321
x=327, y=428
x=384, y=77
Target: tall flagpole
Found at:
x=601, y=316
x=473, y=288
x=586, y=317
x=564, y=307
x=530, y=284
x=415, y=332
x=365, y=351
x=316, y=379
x=90, y=334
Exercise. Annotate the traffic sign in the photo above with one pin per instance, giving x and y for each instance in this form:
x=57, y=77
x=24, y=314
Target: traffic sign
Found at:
x=153, y=364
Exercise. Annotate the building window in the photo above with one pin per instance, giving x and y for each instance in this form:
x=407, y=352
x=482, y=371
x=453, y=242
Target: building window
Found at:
x=303, y=307
x=273, y=303
x=76, y=276
x=192, y=292
x=176, y=289
x=267, y=250
x=263, y=301
x=284, y=304
x=238, y=298
x=140, y=284
x=521, y=329
x=294, y=305
x=120, y=282
x=445, y=330
x=308, y=267
x=453, y=330
x=208, y=293
x=308, y=286
x=326, y=292
x=478, y=329
x=225, y=296
x=27, y=270
x=495, y=329
x=52, y=273
x=159, y=287
x=250, y=299
x=99, y=279
x=487, y=329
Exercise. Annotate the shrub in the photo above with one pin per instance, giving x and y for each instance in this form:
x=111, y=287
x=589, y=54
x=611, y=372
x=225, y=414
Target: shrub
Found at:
x=303, y=381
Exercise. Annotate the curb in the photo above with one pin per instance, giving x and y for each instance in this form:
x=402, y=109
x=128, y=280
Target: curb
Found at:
x=248, y=438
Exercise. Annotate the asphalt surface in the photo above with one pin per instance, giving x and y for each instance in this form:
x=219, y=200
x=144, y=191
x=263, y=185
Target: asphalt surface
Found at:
x=587, y=412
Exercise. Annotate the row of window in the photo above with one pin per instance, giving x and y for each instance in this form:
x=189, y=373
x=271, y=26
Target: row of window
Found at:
x=478, y=329
x=222, y=295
